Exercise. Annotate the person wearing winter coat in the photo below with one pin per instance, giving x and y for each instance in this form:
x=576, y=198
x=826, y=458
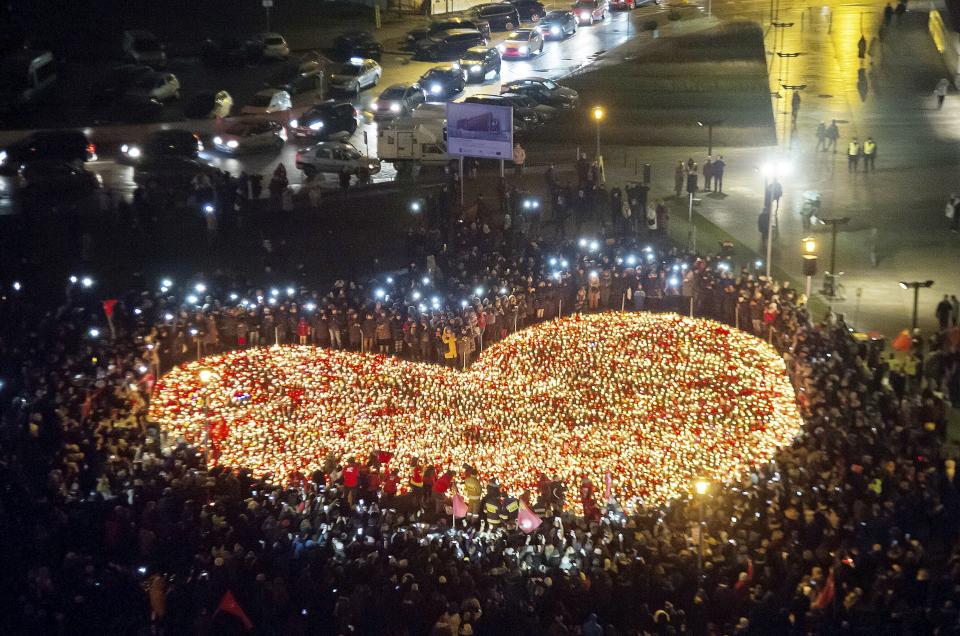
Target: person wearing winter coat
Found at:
x=450, y=339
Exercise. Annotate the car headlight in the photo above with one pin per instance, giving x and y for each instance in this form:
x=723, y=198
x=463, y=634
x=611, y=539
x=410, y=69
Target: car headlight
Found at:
x=218, y=140
x=436, y=89
x=371, y=166
x=133, y=152
x=233, y=143
x=294, y=123
x=317, y=125
x=555, y=30
x=3, y=157
x=585, y=16
x=475, y=68
x=524, y=50
x=394, y=107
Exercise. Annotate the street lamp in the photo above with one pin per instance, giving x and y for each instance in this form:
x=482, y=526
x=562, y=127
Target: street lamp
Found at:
x=772, y=170
x=709, y=126
x=809, y=261
x=829, y=286
x=598, y=115
x=701, y=487
x=916, y=286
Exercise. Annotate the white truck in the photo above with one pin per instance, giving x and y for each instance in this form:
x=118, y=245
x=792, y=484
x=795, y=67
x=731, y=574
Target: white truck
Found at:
x=421, y=138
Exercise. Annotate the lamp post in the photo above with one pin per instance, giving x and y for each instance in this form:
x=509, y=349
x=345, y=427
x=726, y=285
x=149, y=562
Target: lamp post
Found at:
x=809, y=262
x=701, y=488
x=829, y=288
x=598, y=115
x=709, y=126
x=205, y=375
x=916, y=286
x=774, y=170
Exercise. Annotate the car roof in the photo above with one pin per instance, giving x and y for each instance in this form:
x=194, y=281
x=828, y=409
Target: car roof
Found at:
x=442, y=68
x=520, y=32
x=269, y=34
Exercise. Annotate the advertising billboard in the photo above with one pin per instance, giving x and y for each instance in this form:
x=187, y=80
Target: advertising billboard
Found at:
x=480, y=130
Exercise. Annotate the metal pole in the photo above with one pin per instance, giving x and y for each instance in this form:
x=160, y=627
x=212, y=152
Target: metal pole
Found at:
x=833, y=251
x=769, y=234
x=501, y=168
x=916, y=299
x=809, y=284
x=709, y=140
x=598, y=139
x=700, y=543
x=268, y=18
x=461, y=181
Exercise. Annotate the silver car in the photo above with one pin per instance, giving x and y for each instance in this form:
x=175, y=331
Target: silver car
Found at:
x=398, y=100
x=250, y=135
x=355, y=75
x=335, y=156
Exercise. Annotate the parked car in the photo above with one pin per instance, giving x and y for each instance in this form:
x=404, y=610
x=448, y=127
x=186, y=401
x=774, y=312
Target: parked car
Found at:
x=529, y=10
x=270, y=100
x=117, y=80
x=522, y=43
x=502, y=16
x=443, y=82
x=558, y=25
x=172, y=142
x=354, y=76
x=303, y=82
x=143, y=47
x=397, y=100
x=227, y=51
x=325, y=120
x=524, y=119
x=250, y=135
x=209, y=104
x=544, y=113
x=357, y=44
x=161, y=86
x=26, y=77
x=130, y=109
x=444, y=23
x=335, y=156
x=449, y=45
x=480, y=62
x=271, y=46
x=544, y=91
x=57, y=181
x=590, y=11
x=61, y=146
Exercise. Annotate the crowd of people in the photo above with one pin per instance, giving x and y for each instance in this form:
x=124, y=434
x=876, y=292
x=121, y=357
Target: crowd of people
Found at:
x=111, y=527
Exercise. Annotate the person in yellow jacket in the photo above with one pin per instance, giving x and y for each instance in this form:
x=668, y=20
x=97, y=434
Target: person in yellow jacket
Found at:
x=474, y=491
x=450, y=339
x=853, y=155
x=869, y=154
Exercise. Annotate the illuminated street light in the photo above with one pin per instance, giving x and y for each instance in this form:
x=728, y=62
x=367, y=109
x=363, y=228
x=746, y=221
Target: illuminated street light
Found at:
x=87, y=282
x=598, y=115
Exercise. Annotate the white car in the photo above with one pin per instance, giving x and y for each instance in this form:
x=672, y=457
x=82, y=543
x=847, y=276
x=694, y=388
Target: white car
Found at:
x=355, y=75
x=335, y=156
x=271, y=100
x=250, y=135
x=272, y=45
x=159, y=86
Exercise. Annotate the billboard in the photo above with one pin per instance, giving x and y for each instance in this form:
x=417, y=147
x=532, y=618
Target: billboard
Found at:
x=480, y=130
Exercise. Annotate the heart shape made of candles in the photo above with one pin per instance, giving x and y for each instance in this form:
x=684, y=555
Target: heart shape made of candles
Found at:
x=656, y=400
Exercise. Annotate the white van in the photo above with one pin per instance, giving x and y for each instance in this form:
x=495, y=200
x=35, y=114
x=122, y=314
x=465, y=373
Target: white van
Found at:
x=25, y=77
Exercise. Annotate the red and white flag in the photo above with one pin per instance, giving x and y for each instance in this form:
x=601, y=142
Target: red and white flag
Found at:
x=229, y=605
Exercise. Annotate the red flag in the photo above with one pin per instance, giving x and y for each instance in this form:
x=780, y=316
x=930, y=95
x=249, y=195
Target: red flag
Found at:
x=108, y=306
x=528, y=520
x=459, y=507
x=229, y=605
x=825, y=598
x=902, y=342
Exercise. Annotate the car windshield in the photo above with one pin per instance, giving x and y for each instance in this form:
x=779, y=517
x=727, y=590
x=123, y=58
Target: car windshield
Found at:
x=434, y=74
x=555, y=15
x=550, y=84
x=393, y=93
x=347, y=69
x=146, y=44
x=261, y=100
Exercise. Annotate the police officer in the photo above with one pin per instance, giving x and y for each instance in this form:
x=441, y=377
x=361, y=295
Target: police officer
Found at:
x=853, y=155
x=869, y=154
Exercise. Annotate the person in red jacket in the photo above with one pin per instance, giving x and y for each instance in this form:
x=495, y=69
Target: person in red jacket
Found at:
x=440, y=487
x=588, y=498
x=390, y=483
x=373, y=483
x=303, y=330
x=351, y=479
x=416, y=482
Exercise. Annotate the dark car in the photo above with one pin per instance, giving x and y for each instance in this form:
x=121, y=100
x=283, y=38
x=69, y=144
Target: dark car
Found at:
x=443, y=82
x=116, y=81
x=558, y=25
x=357, y=44
x=62, y=146
x=174, y=142
x=449, y=45
x=502, y=16
x=227, y=52
x=479, y=62
x=524, y=118
x=169, y=171
x=529, y=10
x=56, y=180
x=131, y=109
x=543, y=91
x=544, y=113
x=302, y=83
x=440, y=25
x=326, y=119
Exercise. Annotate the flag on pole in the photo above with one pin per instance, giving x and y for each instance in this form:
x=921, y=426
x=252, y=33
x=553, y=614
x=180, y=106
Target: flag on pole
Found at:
x=229, y=605
x=459, y=507
x=528, y=520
